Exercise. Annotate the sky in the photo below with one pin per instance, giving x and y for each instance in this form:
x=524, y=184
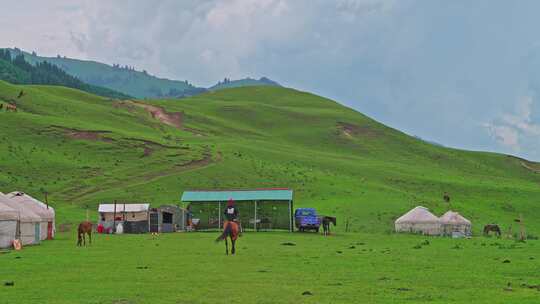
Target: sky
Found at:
x=464, y=74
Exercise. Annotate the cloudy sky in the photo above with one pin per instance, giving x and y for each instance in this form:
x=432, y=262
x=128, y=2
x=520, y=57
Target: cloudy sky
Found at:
x=461, y=73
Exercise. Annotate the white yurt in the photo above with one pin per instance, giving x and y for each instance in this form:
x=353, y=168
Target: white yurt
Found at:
x=9, y=218
x=418, y=220
x=29, y=222
x=454, y=224
x=45, y=212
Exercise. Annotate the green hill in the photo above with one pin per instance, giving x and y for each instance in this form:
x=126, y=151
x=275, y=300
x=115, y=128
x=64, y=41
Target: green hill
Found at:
x=245, y=82
x=84, y=149
x=18, y=71
x=119, y=78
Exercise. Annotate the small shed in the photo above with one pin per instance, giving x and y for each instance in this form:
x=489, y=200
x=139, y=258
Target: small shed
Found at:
x=44, y=211
x=9, y=218
x=259, y=209
x=452, y=224
x=28, y=230
x=133, y=216
x=167, y=218
x=418, y=220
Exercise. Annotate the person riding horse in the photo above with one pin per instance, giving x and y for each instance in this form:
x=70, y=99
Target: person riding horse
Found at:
x=231, y=214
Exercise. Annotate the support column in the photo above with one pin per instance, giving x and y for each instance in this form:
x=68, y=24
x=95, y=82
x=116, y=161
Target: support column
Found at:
x=290, y=217
x=255, y=221
x=219, y=216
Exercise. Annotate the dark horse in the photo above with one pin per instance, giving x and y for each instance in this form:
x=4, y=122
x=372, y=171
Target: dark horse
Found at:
x=231, y=230
x=84, y=228
x=492, y=228
x=326, y=220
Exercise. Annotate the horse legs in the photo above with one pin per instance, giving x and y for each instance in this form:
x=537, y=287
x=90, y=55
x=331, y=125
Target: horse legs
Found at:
x=233, y=249
x=226, y=247
x=90, y=236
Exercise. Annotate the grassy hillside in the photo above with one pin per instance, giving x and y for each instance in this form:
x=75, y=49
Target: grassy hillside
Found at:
x=85, y=149
x=245, y=82
x=18, y=71
x=123, y=79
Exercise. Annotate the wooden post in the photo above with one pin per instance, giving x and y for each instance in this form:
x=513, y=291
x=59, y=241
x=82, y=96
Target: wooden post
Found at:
x=347, y=225
x=47, y=199
x=255, y=221
x=114, y=217
x=124, y=212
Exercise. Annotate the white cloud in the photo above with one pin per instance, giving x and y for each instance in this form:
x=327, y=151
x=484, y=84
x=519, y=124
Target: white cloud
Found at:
x=513, y=129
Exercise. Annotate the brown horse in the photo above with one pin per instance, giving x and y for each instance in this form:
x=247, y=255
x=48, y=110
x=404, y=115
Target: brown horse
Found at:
x=11, y=107
x=231, y=230
x=326, y=220
x=492, y=228
x=84, y=228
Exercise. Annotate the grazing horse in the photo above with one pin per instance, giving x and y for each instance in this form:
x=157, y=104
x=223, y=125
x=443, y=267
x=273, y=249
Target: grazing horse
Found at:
x=84, y=228
x=446, y=197
x=326, y=220
x=21, y=94
x=11, y=107
x=231, y=230
x=492, y=227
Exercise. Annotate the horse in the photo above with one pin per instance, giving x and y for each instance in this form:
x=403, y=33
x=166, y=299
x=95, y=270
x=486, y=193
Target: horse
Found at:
x=11, y=107
x=21, y=94
x=231, y=230
x=84, y=228
x=1, y=106
x=446, y=197
x=492, y=228
x=326, y=220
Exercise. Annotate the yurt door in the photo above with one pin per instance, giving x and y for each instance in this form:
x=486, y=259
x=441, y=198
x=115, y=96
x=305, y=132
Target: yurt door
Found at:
x=37, y=233
x=49, y=231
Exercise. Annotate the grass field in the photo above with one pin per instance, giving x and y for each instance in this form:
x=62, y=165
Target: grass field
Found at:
x=344, y=268
x=85, y=150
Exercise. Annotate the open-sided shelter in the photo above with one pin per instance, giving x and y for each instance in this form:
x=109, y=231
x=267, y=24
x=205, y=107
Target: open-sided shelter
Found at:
x=44, y=211
x=453, y=223
x=418, y=220
x=167, y=218
x=259, y=209
x=134, y=217
x=9, y=219
x=28, y=227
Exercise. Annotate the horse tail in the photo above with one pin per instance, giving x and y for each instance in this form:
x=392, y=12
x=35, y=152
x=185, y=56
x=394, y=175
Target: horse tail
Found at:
x=225, y=233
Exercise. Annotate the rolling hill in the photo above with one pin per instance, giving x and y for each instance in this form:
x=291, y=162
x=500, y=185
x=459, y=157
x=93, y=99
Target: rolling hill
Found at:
x=84, y=149
x=245, y=82
x=119, y=78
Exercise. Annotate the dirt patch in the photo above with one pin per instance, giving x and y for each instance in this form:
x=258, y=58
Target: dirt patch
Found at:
x=173, y=119
x=93, y=135
x=350, y=130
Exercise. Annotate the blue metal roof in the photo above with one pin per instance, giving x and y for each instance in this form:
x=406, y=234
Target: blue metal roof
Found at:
x=238, y=195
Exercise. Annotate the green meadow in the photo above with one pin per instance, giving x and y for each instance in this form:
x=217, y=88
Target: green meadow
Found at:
x=343, y=268
x=84, y=149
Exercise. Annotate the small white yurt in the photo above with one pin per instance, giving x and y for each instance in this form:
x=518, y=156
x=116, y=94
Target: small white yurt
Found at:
x=454, y=224
x=45, y=212
x=418, y=220
x=29, y=223
x=9, y=218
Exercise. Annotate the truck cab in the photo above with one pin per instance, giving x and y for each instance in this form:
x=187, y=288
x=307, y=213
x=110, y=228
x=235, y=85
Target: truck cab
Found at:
x=306, y=219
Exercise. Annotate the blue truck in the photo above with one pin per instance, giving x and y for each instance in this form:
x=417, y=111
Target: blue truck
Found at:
x=307, y=219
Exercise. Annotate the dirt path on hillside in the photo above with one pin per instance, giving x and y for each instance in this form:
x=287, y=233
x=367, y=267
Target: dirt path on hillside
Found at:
x=79, y=192
x=527, y=166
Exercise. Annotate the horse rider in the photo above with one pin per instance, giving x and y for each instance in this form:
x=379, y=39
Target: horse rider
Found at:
x=231, y=215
